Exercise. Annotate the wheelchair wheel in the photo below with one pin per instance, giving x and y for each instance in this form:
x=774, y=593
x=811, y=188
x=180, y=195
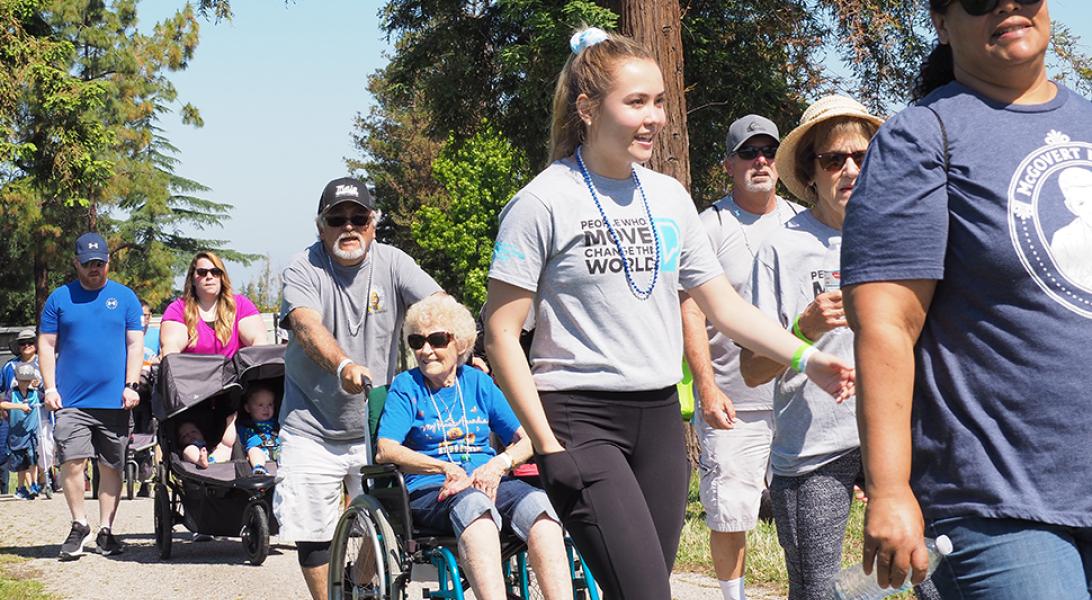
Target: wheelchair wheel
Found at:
x=130, y=479
x=164, y=521
x=363, y=556
x=255, y=533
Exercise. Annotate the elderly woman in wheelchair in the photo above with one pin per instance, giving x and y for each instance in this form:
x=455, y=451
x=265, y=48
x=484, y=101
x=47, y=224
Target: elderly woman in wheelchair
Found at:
x=436, y=427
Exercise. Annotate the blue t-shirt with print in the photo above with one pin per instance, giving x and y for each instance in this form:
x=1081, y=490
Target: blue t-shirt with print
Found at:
x=261, y=434
x=1002, y=409
x=91, y=328
x=434, y=423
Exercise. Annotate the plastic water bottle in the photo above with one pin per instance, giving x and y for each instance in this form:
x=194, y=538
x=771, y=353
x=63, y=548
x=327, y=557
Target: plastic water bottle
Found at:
x=853, y=584
x=832, y=265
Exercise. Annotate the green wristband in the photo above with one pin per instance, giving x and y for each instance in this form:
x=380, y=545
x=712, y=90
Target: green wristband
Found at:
x=800, y=357
x=799, y=333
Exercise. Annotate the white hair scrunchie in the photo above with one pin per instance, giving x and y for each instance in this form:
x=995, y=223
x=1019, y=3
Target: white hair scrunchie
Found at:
x=587, y=38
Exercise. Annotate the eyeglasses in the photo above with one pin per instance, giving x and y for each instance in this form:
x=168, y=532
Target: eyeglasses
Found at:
x=22, y=343
x=438, y=339
x=977, y=8
x=216, y=272
x=93, y=264
x=752, y=152
x=834, y=161
x=358, y=220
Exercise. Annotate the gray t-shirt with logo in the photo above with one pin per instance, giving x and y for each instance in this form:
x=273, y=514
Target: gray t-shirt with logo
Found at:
x=736, y=236
x=810, y=428
x=592, y=332
x=387, y=282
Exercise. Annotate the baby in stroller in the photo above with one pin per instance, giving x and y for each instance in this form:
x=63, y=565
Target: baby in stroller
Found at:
x=193, y=445
x=23, y=418
x=259, y=428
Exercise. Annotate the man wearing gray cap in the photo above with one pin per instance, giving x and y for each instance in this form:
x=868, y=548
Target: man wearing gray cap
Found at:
x=344, y=301
x=735, y=424
x=91, y=385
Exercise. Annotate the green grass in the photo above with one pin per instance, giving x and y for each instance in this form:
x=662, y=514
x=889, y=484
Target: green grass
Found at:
x=765, y=559
x=17, y=581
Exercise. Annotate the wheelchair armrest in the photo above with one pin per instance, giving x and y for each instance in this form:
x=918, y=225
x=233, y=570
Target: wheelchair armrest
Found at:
x=383, y=471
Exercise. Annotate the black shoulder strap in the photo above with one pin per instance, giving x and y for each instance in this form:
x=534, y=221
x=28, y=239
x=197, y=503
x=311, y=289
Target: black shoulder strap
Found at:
x=944, y=137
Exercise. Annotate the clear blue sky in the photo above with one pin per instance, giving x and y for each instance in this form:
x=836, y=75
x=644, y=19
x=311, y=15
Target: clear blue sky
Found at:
x=278, y=88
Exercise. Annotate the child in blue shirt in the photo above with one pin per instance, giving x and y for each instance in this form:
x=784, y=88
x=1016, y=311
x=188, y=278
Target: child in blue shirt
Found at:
x=23, y=416
x=259, y=429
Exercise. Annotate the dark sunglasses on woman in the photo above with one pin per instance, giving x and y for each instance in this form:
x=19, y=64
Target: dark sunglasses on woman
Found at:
x=977, y=8
x=438, y=339
x=752, y=152
x=834, y=161
x=202, y=272
x=357, y=220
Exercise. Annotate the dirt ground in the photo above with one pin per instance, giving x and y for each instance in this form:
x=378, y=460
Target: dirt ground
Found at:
x=213, y=569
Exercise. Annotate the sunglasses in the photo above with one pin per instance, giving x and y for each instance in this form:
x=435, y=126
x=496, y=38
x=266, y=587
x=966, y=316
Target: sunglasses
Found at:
x=202, y=272
x=93, y=264
x=22, y=343
x=358, y=220
x=834, y=161
x=752, y=152
x=977, y=8
x=439, y=339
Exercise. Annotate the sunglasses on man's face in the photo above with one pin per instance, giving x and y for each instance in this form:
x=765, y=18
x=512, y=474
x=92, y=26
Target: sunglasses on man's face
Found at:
x=203, y=272
x=358, y=220
x=438, y=339
x=93, y=264
x=834, y=161
x=752, y=152
x=24, y=343
x=977, y=8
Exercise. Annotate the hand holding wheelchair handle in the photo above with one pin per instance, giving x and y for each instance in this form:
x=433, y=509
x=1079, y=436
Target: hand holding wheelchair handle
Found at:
x=355, y=378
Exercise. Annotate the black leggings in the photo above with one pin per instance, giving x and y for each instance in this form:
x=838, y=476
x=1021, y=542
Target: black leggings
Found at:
x=620, y=486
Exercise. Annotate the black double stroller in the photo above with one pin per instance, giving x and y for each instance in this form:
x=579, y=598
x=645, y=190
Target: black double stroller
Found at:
x=226, y=499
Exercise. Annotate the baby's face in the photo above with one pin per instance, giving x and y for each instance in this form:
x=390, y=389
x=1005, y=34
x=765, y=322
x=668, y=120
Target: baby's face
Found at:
x=260, y=405
x=188, y=433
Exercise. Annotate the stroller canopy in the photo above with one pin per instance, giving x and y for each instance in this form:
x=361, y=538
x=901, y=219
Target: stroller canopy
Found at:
x=185, y=380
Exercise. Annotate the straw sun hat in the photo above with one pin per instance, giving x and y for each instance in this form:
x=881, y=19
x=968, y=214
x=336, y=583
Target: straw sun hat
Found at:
x=821, y=110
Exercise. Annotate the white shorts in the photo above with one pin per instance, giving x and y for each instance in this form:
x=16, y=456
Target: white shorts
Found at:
x=733, y=468
x=310, y=474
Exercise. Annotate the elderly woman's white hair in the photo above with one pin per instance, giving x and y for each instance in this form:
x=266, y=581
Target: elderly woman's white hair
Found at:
x=442, y=312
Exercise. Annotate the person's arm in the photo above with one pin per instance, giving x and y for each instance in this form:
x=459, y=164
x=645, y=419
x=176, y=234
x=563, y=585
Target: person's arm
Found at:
x=134, y=360
x=745, y=324
x=411, y=461
x=508, y=309
x=5, y=405
x=323, y=349
x=823, y=314
x=886, y=318
x=172, y=337
x=716, y=407
x=47, y=364
x=252, y=331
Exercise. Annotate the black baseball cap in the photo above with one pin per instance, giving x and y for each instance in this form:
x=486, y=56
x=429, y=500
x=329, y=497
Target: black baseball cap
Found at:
x=345, y=189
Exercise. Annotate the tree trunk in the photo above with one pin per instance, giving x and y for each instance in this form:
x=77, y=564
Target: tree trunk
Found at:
x=657, y=25
x=41, y=276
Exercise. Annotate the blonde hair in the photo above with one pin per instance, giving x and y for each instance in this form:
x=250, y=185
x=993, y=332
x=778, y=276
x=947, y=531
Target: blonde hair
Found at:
x=225, y=302
x=589, y=72
x=816, y=136
x=443, y=311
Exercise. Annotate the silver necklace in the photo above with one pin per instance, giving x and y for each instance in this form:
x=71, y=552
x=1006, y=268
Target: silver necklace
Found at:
x=450, y=419
x=345, y=298
x=738, y=212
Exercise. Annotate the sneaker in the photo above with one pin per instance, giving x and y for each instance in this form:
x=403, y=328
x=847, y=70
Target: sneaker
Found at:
x=22, y=493
x=260, y=470
x=73, y=544
x=34, y=491
x=107, y=543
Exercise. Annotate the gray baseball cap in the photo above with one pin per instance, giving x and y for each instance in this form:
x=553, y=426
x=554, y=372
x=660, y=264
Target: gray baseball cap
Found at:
x=745, y=128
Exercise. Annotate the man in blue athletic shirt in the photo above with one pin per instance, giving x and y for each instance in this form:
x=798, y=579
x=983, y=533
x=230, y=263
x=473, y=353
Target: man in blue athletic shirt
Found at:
x=91, y=346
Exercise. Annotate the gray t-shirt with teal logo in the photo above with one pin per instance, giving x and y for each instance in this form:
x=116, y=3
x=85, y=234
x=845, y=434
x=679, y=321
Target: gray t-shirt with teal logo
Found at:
x=592, y=332
x=314, y=404
x=810, y=428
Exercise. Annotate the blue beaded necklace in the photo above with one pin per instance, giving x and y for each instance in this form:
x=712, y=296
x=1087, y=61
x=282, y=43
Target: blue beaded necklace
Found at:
x=641, y=294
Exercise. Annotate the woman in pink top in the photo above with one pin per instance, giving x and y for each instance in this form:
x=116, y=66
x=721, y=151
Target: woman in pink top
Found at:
x=210, y=319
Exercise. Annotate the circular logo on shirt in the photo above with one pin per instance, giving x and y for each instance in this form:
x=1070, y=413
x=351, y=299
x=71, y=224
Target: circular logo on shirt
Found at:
x=111, y=303
x=1050, y=219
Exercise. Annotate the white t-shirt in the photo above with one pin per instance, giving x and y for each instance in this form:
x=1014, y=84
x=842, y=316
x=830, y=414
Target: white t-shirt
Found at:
x=593, y=332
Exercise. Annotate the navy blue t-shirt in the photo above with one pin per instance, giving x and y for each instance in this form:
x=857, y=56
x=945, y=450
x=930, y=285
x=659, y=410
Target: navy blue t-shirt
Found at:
x=1002, y=414
x=436, y=424
x=91, y=328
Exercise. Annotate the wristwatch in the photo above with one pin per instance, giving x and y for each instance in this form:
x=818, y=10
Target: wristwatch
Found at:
x=132, y=385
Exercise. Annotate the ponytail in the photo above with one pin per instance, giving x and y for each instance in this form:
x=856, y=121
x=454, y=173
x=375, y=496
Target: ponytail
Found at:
x=937, y=70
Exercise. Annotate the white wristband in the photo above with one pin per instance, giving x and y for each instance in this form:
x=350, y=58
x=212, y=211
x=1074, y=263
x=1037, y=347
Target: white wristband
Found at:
x=507, y=458
x=49, y=391
x=341, y=365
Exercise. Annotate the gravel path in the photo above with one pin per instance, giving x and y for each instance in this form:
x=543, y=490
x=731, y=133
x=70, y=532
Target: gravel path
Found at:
x=213, y=569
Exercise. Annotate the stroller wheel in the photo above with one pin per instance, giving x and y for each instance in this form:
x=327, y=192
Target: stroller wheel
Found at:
x=255, y=533
x=130, y=479
x=164, y=521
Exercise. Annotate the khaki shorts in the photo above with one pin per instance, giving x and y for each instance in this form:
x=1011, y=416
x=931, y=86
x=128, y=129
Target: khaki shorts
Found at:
x=733, y=468
x=83, y=433
x=310, y=476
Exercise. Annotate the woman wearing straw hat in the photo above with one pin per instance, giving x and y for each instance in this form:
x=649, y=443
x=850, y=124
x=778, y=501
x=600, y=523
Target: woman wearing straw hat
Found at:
x=971, y=333
x=815, y=453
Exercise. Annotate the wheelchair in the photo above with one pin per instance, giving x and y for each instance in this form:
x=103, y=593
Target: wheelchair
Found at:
x=376, y=547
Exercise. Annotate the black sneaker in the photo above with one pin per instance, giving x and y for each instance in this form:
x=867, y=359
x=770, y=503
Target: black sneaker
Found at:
x=72, y=547
x=107, y=543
